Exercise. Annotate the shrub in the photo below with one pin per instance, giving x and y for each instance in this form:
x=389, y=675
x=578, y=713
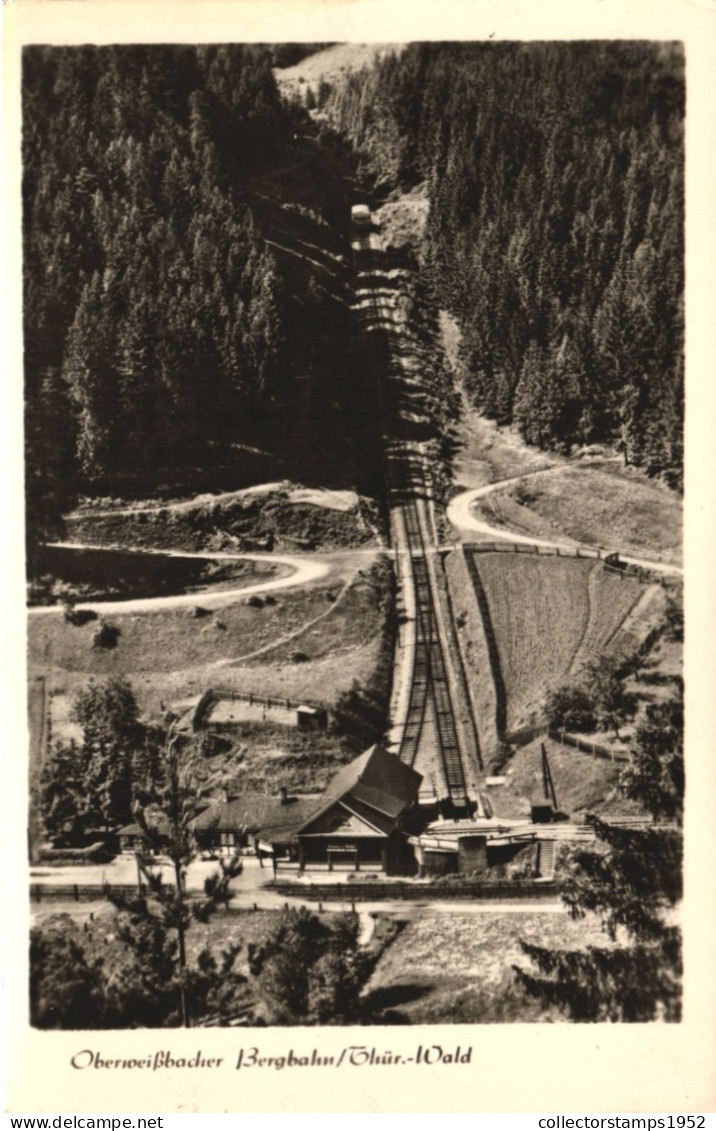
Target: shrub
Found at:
x=105, y=636
x=571, y=707
x=77, y=617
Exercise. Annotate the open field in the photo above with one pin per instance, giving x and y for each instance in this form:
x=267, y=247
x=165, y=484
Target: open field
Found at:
x=453, y=969
x=331, y=64
x=599, y=505
x=583, y=784
x=312, y=643
x=549, y=615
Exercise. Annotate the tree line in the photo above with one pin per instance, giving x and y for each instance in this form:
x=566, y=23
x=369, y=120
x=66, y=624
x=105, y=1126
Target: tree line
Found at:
x=555, y=233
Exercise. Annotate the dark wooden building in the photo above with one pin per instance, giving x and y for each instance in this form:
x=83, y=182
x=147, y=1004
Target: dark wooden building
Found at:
x=237, y=821
x=360, y=821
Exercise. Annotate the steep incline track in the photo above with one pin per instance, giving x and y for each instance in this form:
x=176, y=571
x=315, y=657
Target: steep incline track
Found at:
x=430, y=683
x=429, y=736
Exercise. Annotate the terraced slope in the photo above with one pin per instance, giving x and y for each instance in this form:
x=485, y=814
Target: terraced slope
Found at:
x=543, y=618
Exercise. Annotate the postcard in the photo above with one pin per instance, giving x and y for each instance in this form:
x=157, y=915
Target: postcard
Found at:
x=358, y=604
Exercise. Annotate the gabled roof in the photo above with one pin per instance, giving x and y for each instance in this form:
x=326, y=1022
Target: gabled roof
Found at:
x=253, y=812
x=376, y=784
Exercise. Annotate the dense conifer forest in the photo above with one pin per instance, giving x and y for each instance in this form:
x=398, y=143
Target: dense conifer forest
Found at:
x=163, y=328
x=160, y=330
x=555, y=180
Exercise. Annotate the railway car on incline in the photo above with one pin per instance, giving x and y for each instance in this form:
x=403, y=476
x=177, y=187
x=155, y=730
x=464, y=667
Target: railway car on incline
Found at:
x=361, y=217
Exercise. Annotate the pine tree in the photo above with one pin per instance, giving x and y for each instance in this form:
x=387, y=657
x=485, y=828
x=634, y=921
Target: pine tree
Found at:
x=631, y=879
x=307, y=972
x=62, y=790
x=155, y=923
x=108, y=715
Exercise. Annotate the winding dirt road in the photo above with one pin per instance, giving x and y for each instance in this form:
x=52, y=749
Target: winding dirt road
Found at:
x=461, y=517
x=304, y=570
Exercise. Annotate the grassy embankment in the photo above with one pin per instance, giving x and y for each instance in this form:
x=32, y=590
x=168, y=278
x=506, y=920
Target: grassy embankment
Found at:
x=598, y=505
x=549, y=616
x=275, y=515
x=457, y=969
x=323, y=643
x=412, y=983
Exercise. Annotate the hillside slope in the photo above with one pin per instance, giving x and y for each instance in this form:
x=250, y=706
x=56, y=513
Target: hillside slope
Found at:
x=547, y=616
x=192, y=334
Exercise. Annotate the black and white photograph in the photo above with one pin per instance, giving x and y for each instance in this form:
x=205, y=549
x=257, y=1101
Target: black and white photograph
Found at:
x=354, y=396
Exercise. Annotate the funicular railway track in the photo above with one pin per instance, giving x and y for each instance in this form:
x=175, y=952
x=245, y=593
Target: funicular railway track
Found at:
x=430, y=679
x=429, y=716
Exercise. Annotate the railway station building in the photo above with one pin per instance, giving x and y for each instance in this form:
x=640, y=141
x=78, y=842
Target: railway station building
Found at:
x=361, y=822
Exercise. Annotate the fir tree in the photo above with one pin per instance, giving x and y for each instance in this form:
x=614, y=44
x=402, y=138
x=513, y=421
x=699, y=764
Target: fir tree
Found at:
x=155, y=923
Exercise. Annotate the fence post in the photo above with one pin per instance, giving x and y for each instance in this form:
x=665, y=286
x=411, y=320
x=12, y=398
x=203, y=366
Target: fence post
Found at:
x=76, y=892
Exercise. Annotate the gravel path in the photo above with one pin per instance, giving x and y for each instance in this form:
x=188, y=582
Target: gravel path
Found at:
x=461, y=516
x=304, y=570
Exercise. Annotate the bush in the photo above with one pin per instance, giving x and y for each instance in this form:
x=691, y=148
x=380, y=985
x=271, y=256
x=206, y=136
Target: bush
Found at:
x=77, y=617
x=571, y=707
x=106, y=635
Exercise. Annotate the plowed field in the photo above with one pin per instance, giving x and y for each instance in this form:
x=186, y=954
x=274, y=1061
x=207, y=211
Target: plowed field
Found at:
x=550, y=615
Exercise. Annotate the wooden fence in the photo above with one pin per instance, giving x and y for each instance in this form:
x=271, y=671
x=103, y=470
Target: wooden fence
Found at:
x=593, y=748
x=612, y=562
x=539, y=551
x=81, y=893
x=328, y=892
x=218, y=694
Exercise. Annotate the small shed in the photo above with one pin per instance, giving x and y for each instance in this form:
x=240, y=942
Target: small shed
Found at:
x=310, y=718
x=132, y=838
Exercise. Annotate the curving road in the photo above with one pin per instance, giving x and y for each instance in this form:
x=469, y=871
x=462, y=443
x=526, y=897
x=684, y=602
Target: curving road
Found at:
x=304, y=570
x=462, y=518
